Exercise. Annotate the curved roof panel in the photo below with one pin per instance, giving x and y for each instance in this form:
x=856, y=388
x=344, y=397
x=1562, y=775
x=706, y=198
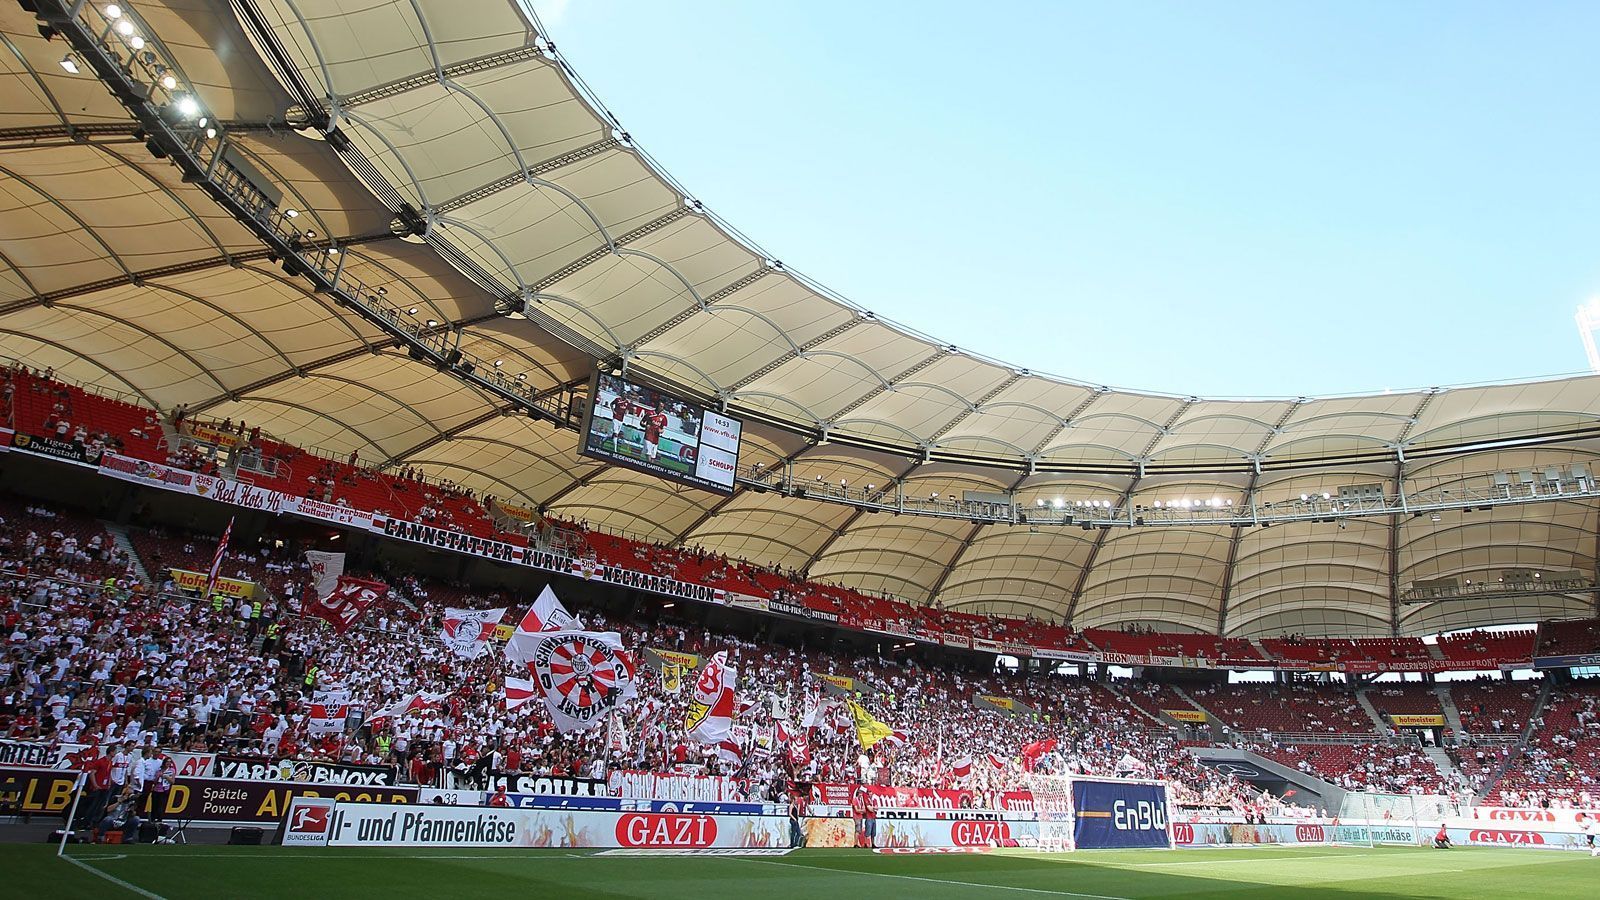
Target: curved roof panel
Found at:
x=553, y=240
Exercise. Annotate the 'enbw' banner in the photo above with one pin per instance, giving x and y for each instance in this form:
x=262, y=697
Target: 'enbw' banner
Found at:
x=1117, y=814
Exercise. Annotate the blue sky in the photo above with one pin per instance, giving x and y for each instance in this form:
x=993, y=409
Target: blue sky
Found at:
x=1226, y=199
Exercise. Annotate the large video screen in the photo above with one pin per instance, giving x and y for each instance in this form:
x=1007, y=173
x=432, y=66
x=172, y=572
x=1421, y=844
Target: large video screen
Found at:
x=653, y=431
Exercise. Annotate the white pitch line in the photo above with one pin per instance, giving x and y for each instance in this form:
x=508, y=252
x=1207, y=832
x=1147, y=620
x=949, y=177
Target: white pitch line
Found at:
x=971, y=884
x=1277, y=860
x=112, y=878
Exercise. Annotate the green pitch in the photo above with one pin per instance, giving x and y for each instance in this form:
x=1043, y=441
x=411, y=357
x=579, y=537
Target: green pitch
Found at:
x=177, y=872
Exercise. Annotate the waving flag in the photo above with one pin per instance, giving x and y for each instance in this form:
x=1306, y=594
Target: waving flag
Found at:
x=546, y=615
x=520, y=691
x=416, y=702
x=896, y=738
x=1032, y=752
x=961, y=768
x=710, y=717
x=467, y=631
x=997, y=761
x=346, y=603
x=328, y=712
x=215, y=571
x=869, y=731
x=583, y=676
x=326, y=568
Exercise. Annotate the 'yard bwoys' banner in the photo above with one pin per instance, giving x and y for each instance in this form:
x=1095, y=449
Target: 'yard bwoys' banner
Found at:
x=1119, y=814
x=202, y=801
x=303, y=770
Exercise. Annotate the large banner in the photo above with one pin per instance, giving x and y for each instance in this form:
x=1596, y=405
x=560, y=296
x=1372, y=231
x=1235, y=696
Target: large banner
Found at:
x=654, y=786
x=548, y=785
x=150, y=474
x=307, y=508
x=886, y=797
x=1119, y=814
x=66, y=451
x=1213, y=834
x=388, y=825
x=186, y=580
x=203, y=801
x=1414, y=720
x=304, y=770
x=990, y=831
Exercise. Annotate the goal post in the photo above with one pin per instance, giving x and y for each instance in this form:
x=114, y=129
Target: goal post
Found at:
x=1079, y=812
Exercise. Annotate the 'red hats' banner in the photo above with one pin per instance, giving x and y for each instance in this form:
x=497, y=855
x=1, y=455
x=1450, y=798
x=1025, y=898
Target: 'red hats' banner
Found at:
x=347, y=604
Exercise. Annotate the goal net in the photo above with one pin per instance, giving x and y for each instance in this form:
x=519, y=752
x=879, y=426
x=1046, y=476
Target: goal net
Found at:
x=1368, y=819
x=1052, y=803
x=1079, y=812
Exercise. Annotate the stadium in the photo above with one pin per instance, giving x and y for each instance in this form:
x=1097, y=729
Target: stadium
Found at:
x=410, y=489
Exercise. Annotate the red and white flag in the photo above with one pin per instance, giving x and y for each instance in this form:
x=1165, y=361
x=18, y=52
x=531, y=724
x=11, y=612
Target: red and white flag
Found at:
x=346, y=603
x=895, y=738
x=546, y=615
x=710, y=717
x=582, y=675
x=215, y=571
x=520, y=691
x=729, y=751
x=998, y=762
x=328, y=712
x=961, y=768
x=467, y=631
x=417, y=702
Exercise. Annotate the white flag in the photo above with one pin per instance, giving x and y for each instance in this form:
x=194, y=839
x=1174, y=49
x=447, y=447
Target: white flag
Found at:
x=467, y=631
x=546, y=615
x=710, y=718
x=325, y=571
x=583, y=675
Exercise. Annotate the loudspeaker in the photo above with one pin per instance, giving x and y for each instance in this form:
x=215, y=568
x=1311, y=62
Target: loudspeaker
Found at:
x=245, y=835
x=149, y=831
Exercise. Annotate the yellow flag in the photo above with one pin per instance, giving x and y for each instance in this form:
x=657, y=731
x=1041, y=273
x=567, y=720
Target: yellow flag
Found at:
x=869, y=730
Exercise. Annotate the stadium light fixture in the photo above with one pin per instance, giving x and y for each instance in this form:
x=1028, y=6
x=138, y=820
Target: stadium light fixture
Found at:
x=211, y=133
x=188, y=107
x=124, y=28
x=70, y=64
x=412, y=311
x=291, y=213
x=433, y=323
x=113, y=11
x=522, y=376
x=498, y=363
x=136, y=42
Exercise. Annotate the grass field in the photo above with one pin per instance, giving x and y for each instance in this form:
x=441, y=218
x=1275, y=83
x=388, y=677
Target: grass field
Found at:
x=209, y=872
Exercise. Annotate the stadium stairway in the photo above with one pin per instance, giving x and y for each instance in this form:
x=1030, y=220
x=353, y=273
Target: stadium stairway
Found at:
x=1163, y=720
x=1217, y=728
x=1447, y=766
x=119, y=536
x=1452, y=715
x=1511, y=759
x=1433, y=650
x=1372, y=712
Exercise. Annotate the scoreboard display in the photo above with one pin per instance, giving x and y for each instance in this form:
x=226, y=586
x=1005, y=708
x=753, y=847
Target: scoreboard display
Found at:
x=653, y=431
